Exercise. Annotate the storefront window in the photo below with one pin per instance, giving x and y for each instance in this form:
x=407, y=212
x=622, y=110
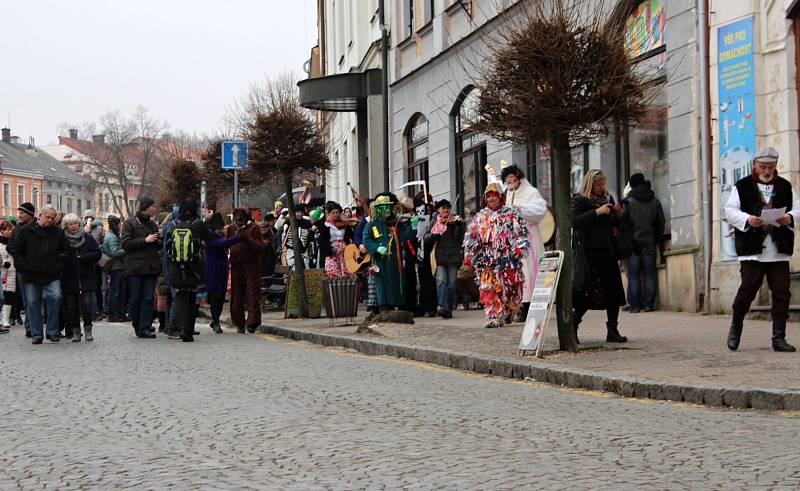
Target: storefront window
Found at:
x=644, y=28
x=470, y=158
x=417, y=145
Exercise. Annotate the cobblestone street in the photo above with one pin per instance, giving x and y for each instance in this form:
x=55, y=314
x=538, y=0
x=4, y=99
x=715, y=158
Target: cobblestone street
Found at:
x=252, y=412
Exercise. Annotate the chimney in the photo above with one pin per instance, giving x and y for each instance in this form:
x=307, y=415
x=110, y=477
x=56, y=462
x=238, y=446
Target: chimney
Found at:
x=14, y=139
x=6, y=135
x=73, y=133
x=99, y=139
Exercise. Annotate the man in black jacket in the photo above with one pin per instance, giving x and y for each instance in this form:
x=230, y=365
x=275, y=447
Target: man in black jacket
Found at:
x=26, y=215
x=444, y=238
x=141, y=265
x=39, y=251
x=763, y=247
x=647, y=217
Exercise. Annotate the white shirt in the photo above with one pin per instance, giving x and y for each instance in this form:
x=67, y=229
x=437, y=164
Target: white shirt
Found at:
x=336, y=233
x=737, y=218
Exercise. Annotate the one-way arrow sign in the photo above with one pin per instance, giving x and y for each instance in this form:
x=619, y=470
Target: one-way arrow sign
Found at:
x=234, y=155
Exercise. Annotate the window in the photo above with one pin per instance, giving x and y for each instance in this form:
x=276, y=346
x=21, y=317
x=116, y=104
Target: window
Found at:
x=410, y=26
x=20, y=194
x=69, y=205
x=60, y=202
x=471, y=177
x=131, y=204
x=417, y=151
x=6, y=195
x=89, y=204
x=644, y=28
x=49, y=199
x=78, y=206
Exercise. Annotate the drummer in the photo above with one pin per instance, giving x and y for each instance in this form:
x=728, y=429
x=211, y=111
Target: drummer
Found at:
x=533, y=208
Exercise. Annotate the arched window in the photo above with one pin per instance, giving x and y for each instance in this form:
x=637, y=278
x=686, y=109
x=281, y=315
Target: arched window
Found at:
x=470, y=153
x=416, y=135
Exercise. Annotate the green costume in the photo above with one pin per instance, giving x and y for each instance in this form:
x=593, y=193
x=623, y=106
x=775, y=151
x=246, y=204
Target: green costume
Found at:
x=384, y=240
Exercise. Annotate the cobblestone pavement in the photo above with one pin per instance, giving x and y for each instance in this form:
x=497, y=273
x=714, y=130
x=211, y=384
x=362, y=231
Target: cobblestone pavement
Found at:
x=248, y=412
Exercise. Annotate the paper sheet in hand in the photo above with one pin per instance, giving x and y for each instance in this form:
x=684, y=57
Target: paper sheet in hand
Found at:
x=771, y=215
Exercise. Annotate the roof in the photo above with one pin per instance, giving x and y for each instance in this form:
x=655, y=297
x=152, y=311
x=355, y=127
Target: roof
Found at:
x=16, y=157
x=105, y=154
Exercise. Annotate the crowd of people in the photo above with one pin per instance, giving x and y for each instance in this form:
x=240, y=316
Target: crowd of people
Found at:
x=65, y=272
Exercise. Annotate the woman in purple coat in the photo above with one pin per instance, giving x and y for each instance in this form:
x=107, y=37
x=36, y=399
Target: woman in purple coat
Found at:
x=217, y=268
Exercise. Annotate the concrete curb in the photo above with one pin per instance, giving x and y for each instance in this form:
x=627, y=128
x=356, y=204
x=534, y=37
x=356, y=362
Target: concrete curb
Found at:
x=734, y=397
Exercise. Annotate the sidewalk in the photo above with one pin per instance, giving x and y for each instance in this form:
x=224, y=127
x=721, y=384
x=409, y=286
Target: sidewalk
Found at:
x=675, y=356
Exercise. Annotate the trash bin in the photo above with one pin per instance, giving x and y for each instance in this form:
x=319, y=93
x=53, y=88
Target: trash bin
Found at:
x=340, y=297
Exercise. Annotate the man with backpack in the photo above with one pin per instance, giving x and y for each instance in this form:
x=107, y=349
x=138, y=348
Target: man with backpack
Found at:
x=184, y=245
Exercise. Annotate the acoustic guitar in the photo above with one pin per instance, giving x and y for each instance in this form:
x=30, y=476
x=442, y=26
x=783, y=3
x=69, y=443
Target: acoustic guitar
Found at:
x=354, y=261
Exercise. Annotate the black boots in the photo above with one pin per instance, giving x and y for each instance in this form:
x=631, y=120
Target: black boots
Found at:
x=162, y=321
x=613, y=335
x=779, y=337
x=735, y=332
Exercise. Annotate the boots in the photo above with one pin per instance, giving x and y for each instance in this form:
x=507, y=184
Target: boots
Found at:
x=162, y=321
x=613, y=335
x=76, y=334
x=779, y=337
x=216, y=327
x=735, y=332
x=87, y=330
x=6, y=316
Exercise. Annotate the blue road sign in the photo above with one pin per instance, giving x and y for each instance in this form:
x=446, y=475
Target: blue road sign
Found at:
x=234, y=155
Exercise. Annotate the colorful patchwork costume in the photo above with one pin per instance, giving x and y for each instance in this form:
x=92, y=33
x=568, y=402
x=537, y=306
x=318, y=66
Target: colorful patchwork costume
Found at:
x=495, y=244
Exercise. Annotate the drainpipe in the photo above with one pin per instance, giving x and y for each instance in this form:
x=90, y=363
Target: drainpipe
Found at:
x=384, y=90
x=705, y=145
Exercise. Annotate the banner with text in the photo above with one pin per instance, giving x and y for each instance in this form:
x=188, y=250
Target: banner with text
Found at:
x=737, y=118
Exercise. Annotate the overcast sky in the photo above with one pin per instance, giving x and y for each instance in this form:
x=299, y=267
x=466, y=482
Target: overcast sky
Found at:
x=185, y=60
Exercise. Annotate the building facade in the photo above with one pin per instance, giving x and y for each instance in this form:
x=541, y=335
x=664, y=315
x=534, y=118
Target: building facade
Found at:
x=437, y=49
x=30, y=174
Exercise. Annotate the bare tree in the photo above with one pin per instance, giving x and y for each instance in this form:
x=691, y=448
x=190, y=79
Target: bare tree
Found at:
x=560, y=72
x=285, y=141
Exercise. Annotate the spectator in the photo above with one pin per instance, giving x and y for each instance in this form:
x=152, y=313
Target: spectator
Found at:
x=287, y=244
x=246, y=258
x=445, y=237
x=26, y=213
x=597, y=283
x=9, y=274
x=647, y=217
x=39, y=252
x=111, y=247
x=79, y=279
x=95, y=228
x=216, y=264
x=185, y=266
x=141, y=266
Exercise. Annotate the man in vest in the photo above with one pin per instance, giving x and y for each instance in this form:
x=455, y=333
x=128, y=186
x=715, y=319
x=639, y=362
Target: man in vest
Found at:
x=764, y=248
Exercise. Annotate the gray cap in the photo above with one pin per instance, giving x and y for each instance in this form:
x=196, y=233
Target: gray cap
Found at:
x=768, y=155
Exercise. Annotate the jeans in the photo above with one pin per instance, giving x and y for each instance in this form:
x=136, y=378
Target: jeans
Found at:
x=77, y=306
x=115, y=294
x=183, y=311
x=34, y=292
x=446, y=277
x=641, y=269
x=141, y=291
x=21, y=290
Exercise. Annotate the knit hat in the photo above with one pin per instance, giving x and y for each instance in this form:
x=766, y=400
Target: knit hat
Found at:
x=636, y=180
x=146, y=203
x=27, y=208
x=216, y=222
x=113, y=219
x=88, y=213
x=188, y=208
x=511, y=170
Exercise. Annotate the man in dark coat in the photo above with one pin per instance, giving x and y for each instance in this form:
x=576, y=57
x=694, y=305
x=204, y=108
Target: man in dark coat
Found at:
x=79, y=279
x=763, y=247
x=246, y=257
x=26, y=214
x=39, y=252
x=647, y=218
x=141, y=265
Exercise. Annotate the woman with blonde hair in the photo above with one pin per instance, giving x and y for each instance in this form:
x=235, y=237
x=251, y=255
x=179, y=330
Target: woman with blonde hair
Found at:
x=597, y=283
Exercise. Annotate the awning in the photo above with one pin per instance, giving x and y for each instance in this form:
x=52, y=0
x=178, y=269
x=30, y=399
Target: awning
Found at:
x=345, y=92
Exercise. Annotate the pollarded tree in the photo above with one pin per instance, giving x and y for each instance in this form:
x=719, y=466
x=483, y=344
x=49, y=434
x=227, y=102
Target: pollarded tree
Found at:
x=286, y=141
x=560, y=72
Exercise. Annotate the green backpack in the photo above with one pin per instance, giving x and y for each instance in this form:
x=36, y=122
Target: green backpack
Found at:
x=183, y=248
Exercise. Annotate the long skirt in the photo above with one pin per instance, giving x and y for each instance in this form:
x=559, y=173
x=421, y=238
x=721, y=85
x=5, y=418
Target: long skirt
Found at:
x=500, y=292
x=602, y=288
x=334, y=265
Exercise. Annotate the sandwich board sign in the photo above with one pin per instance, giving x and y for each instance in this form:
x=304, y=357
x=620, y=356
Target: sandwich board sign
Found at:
x=544, y=293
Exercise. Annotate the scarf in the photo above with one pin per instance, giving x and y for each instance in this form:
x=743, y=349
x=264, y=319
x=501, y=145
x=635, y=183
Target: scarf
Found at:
x=598, y=201
x=75, y=241
x=440, y=227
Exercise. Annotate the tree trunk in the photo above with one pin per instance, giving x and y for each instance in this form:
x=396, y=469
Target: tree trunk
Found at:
x=299, y=266
x=562, y=193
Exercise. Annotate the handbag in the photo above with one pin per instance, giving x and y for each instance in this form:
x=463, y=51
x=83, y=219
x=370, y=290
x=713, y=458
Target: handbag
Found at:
x=105, y=262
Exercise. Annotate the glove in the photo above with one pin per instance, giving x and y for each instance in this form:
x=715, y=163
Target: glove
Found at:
x=414, y=222
x=382, y=250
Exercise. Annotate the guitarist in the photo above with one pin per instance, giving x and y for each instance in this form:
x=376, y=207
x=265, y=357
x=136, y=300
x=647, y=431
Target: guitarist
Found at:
x=367, y=277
